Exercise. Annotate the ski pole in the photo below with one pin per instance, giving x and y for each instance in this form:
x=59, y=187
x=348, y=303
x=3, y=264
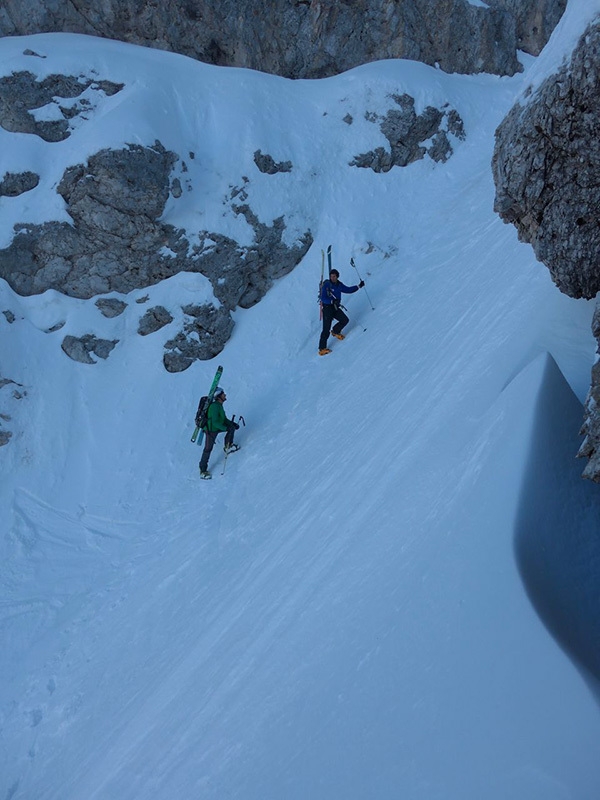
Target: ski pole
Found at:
x=227, y=451
x=243, y=421
x=360, y=279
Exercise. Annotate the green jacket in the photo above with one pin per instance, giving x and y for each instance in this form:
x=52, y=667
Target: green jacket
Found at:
x=216, y=419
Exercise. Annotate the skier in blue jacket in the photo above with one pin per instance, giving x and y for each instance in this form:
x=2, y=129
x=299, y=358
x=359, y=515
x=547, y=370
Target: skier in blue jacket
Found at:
x=331, y=297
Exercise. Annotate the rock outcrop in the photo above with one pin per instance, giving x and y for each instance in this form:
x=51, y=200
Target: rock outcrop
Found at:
x=546, y=167
x=269, y=166
x=62, y=98
x=110, y=306
x=411, y=136
x=15, y=183
x=534, y=20
x=10, y=391
x=118, y=243
x=308, y=38
x=204, y=334
x=153, y=320
x=80, y=348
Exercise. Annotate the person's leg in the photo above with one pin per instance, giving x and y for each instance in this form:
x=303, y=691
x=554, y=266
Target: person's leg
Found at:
x=342, y=321
x=328, y=311
x=229, y=436
x=209, y=443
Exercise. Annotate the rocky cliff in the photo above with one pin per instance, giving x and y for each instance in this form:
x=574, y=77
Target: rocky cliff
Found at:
x=119, y=226
x=547, y=171
x=308, y=38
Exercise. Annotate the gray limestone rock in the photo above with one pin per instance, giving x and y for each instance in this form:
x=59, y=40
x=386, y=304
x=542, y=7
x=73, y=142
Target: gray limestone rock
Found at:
x=153, y=320
x=176, y=189
x=21, y=93
x=308, y=38
x=204, y=335
x=411, y=136
x=546, y=167
x=5, y=433
x=15, y=183
x=117, y=241
x=269, y=166
x=10, y=317
x=80, y=348
x=111, y=306
x=535, y=20
x=590, y=430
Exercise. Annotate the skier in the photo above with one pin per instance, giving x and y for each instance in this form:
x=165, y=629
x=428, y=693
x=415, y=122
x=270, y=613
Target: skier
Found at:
x=331, y=295
x=216, y=422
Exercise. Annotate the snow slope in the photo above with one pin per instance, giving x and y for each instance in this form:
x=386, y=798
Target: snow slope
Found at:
x=345, y=613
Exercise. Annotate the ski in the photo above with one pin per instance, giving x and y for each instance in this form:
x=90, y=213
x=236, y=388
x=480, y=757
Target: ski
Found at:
x=321, y=283
x=329, y=259
x=204, y=404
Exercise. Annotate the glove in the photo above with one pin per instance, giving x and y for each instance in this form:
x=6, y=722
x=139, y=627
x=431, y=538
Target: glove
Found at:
x=361, y=284
x=236, y=427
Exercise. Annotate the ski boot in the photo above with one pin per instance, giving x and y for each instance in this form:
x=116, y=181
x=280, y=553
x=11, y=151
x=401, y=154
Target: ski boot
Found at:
x=231, y=448
x=206, y=476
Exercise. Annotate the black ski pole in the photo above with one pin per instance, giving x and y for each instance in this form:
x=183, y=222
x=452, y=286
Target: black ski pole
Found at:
x=243, y=421
x=360, y=279
x=227, y=450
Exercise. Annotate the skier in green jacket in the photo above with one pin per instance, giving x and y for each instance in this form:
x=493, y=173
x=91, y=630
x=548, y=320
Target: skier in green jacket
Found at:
x=217, y=422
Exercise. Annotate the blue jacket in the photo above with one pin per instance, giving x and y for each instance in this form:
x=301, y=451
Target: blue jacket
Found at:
x=332, y=292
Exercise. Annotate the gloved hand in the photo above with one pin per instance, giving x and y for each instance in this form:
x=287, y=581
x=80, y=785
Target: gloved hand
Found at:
x=361, y=284
x=236, y=426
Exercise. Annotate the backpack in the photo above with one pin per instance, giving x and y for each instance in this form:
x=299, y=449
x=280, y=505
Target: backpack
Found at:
x=202, y=413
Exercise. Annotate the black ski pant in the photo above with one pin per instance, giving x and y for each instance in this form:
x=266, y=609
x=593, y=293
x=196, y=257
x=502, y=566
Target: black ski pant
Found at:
x=210, y=437
x=330, y=312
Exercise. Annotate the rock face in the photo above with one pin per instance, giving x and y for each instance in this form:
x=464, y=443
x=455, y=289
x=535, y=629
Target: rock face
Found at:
x=10, y=391
x=546, y=167
x=204, y=333
x=308, y=38
x=535, y=20
x=13, y=184
x=590, y=429
x=62, y=98
x=412, y=136
x=153, y=320
x=81, y=348
x=118, y=243
x=112, y=245
x=110, y=307
x=269, y=166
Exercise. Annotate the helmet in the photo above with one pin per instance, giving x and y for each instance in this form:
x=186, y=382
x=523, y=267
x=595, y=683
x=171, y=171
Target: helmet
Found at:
x=218, y=391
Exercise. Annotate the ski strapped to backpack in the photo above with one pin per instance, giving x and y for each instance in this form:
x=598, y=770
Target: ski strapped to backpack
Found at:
x=323, y=276
x=203, y=405
x=321, y=284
